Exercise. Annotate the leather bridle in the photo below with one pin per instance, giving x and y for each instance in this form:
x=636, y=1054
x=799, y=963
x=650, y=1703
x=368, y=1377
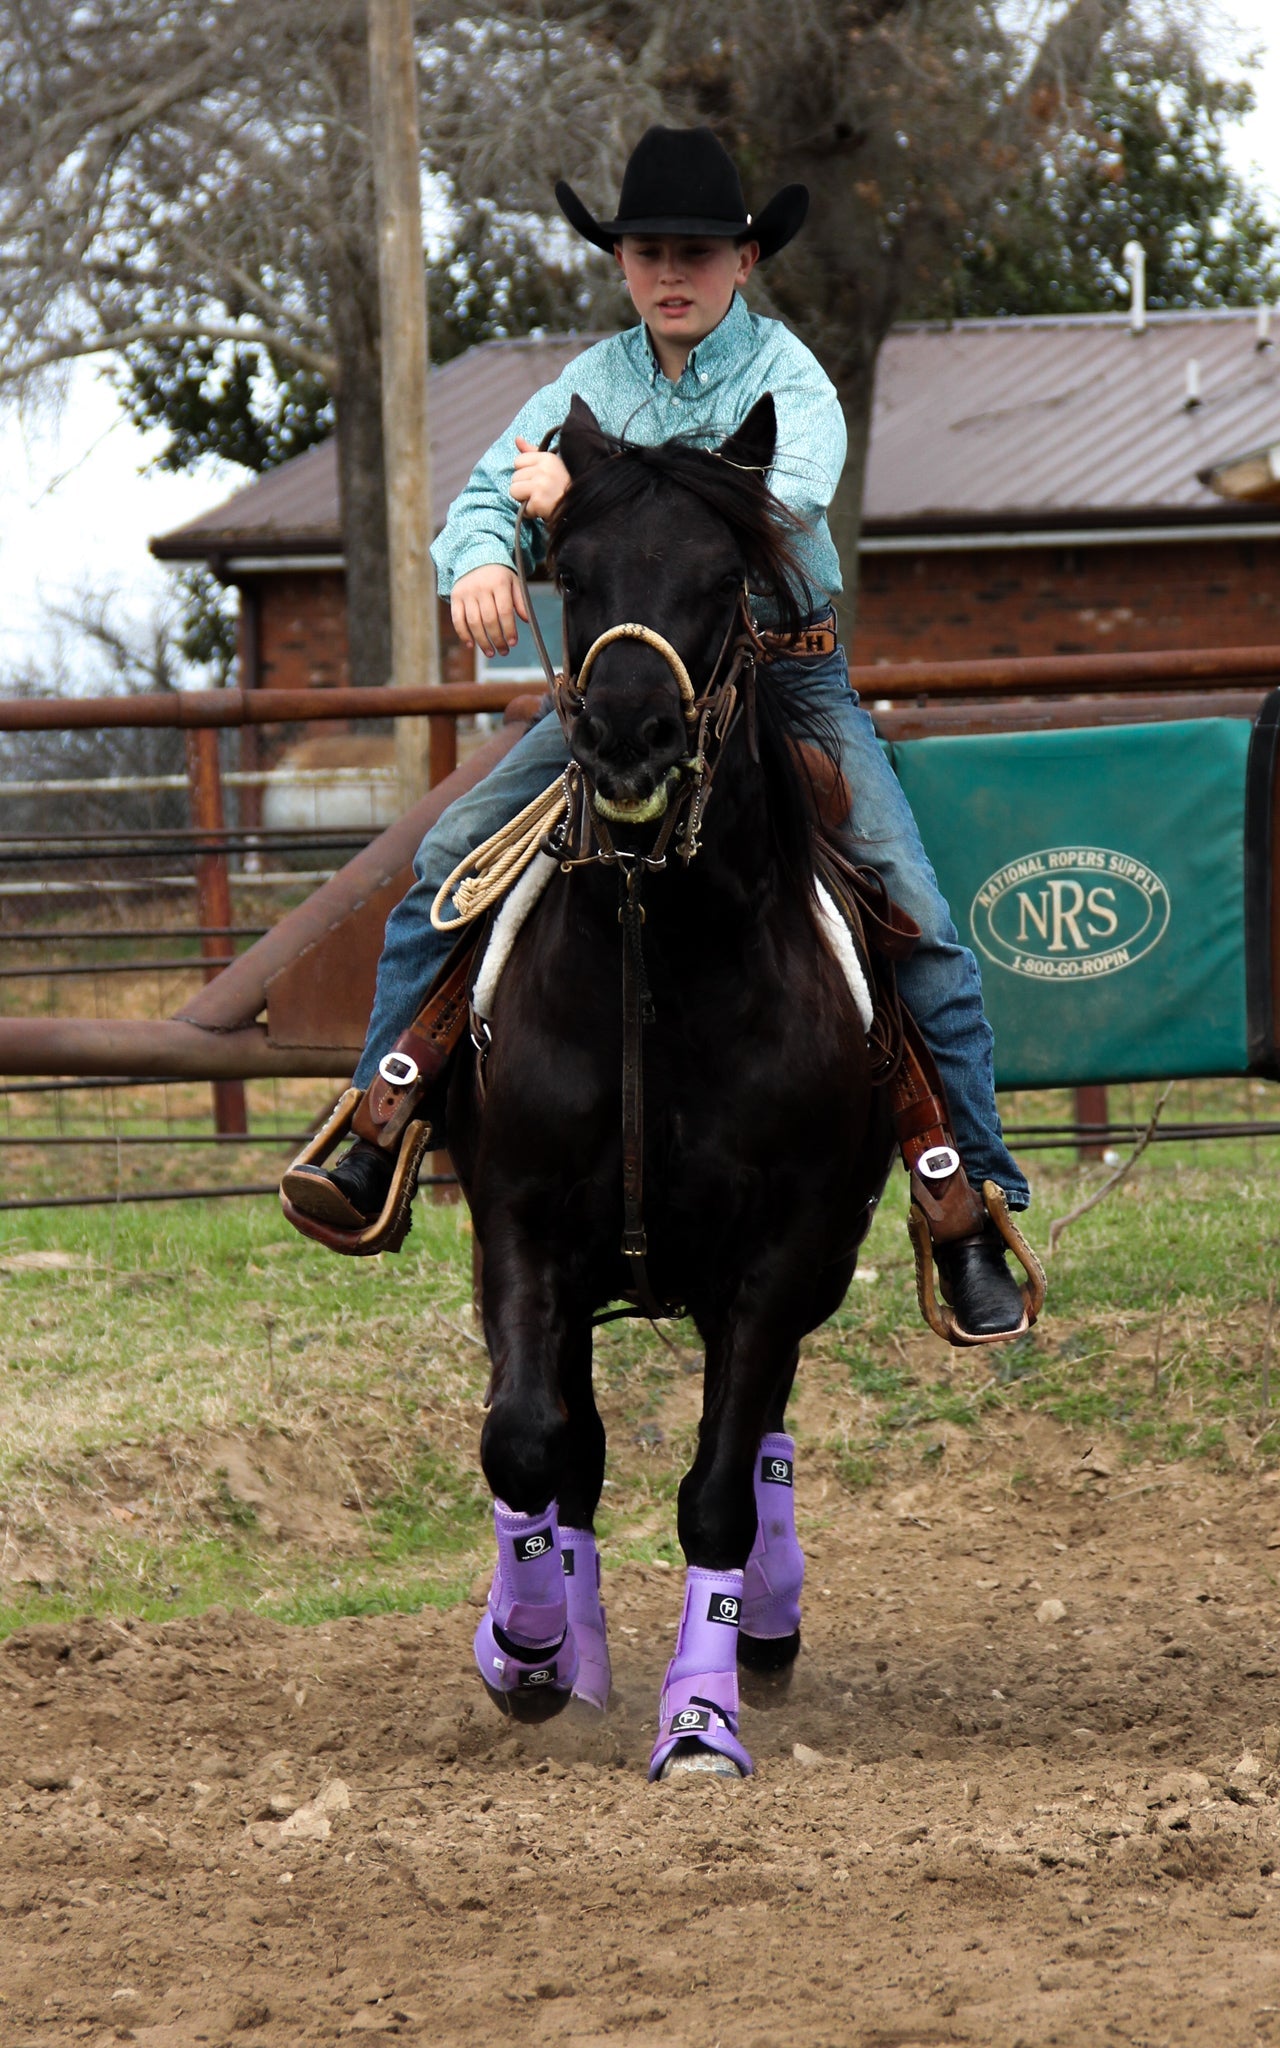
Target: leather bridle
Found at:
x=583, y=837
x=709, y=717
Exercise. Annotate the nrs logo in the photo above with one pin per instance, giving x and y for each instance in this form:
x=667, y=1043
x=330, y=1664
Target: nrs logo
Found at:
x=691, y=1720
x=1070, y=913
x=536, y=1545
x=724, y=1607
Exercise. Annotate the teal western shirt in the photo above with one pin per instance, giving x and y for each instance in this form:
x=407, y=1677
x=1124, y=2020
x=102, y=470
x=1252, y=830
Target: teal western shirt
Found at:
x=621, y=381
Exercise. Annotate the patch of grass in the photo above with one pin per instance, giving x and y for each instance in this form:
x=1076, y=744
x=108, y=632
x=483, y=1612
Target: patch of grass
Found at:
x=1157, y=1315
x=857, y=1470
x=196, y=1406
x=437, y=1511
x=304, y=1610
x=881, y=1379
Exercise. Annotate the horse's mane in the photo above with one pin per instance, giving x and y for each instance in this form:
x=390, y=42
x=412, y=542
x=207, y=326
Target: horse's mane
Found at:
x=764, y=529
x=765, y=532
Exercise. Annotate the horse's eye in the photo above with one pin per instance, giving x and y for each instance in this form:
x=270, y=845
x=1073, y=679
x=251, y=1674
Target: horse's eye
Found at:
x=567, y=583
x=730, y=584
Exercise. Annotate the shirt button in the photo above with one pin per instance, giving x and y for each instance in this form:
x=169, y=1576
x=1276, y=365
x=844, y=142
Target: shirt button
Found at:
x=702, y=376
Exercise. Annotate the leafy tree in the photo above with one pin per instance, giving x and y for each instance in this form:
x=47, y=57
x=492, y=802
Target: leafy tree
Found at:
x=205, y=630
x=197, y=178
x=496, y=278
x=182, y=177
x=493, y=279
x=1142, y=158
x=224, y=399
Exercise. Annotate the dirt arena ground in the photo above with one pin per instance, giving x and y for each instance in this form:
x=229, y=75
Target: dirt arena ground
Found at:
x=1023, y=1790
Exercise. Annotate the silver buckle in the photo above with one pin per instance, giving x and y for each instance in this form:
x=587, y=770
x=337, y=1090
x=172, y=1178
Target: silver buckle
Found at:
x=938, y=1163
x=398, y=1069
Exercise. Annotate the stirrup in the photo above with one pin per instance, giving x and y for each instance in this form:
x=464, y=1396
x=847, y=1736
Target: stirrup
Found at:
x=939, y=1314
x=390, y=1227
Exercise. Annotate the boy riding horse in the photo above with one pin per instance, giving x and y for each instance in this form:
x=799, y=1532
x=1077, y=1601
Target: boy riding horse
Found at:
x=694, y=366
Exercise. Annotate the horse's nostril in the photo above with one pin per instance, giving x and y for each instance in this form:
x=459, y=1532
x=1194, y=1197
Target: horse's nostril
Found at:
x=657, y=733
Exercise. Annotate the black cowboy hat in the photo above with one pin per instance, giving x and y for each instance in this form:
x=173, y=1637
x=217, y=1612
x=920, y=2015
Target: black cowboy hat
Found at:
x=681, y=181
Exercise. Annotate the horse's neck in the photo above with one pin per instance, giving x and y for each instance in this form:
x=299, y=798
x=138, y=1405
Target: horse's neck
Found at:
x=742, y=858
x=738, y=877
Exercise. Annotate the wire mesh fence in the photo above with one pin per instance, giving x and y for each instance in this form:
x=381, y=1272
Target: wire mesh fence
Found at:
x=105, y=912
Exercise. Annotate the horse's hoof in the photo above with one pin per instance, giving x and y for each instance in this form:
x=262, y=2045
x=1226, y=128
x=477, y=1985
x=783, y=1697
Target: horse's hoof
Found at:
x=771, y=1655
x=688, y=1757
x=532, y=1706
x=529, y=1686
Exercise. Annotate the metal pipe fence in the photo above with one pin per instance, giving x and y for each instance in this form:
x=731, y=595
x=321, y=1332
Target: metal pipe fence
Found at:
x=195, y=837
x=95, y=866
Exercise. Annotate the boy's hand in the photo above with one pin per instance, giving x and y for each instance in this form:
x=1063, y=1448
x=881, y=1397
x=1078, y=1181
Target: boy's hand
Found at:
x=539, y=480
x=485, y=604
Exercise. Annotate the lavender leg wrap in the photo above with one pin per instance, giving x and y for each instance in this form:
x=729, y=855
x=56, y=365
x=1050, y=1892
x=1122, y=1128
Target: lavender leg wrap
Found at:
x=699, y=1700
x=775, y=1568
x=524, y=1643
x=586, y=1616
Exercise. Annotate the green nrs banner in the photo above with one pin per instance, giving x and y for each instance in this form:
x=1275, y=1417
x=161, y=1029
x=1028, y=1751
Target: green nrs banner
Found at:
x=1099, y=877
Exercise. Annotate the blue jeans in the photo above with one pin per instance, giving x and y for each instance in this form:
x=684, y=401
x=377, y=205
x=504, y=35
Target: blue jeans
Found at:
x=940, y=982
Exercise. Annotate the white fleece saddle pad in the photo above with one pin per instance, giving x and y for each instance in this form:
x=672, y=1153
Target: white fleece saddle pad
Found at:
x=525, y=892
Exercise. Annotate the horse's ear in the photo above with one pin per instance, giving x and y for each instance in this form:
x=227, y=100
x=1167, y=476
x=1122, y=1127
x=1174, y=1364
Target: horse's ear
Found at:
x=582, y=442
x=754, y=443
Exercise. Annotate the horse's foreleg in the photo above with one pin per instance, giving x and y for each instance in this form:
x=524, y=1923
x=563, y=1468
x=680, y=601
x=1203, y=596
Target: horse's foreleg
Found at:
x=769, y=1638
x=581, y=1479
x=525, y=1649
x=776, y=1412
x=698, y=1711
x=528, y=1332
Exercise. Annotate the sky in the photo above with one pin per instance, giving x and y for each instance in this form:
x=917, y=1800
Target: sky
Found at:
x=79, y=497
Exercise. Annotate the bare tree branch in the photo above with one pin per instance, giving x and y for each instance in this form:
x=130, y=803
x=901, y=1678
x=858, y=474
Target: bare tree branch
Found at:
x=115, y=339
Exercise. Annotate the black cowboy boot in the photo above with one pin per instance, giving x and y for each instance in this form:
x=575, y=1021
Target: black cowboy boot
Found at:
x=347, y=1195
x=977, y=1282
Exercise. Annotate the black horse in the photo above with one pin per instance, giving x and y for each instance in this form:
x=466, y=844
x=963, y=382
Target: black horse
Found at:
x=764, y=1143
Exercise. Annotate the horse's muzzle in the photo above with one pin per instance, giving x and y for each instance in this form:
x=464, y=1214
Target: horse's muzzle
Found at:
x=638, y=810
x=632, y=763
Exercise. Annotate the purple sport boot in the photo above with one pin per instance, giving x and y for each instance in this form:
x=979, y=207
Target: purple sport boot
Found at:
x=770, y=1635
x=698, y=1710
x=586, y=1616
x=524, y=1646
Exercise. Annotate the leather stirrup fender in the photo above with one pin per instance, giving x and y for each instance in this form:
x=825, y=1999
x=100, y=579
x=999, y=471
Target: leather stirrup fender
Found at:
x=937, y=1312
x=420, y=1054
x=388, y=1230
x=387, y=1113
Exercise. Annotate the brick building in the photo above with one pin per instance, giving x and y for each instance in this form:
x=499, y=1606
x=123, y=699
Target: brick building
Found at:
x=1034, y=487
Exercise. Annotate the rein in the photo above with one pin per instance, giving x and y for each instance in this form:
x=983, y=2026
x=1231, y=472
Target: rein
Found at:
x=581, y=836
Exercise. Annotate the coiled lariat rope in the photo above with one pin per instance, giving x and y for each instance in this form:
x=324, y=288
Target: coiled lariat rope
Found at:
x=484, y=877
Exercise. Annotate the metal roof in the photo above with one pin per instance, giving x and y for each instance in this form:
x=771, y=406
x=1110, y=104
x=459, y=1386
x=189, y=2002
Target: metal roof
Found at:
x=1041, y=422
x=1015, y=423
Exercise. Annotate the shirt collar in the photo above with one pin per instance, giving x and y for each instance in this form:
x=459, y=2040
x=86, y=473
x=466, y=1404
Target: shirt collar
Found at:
x=726, y=343
x=716, y=351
